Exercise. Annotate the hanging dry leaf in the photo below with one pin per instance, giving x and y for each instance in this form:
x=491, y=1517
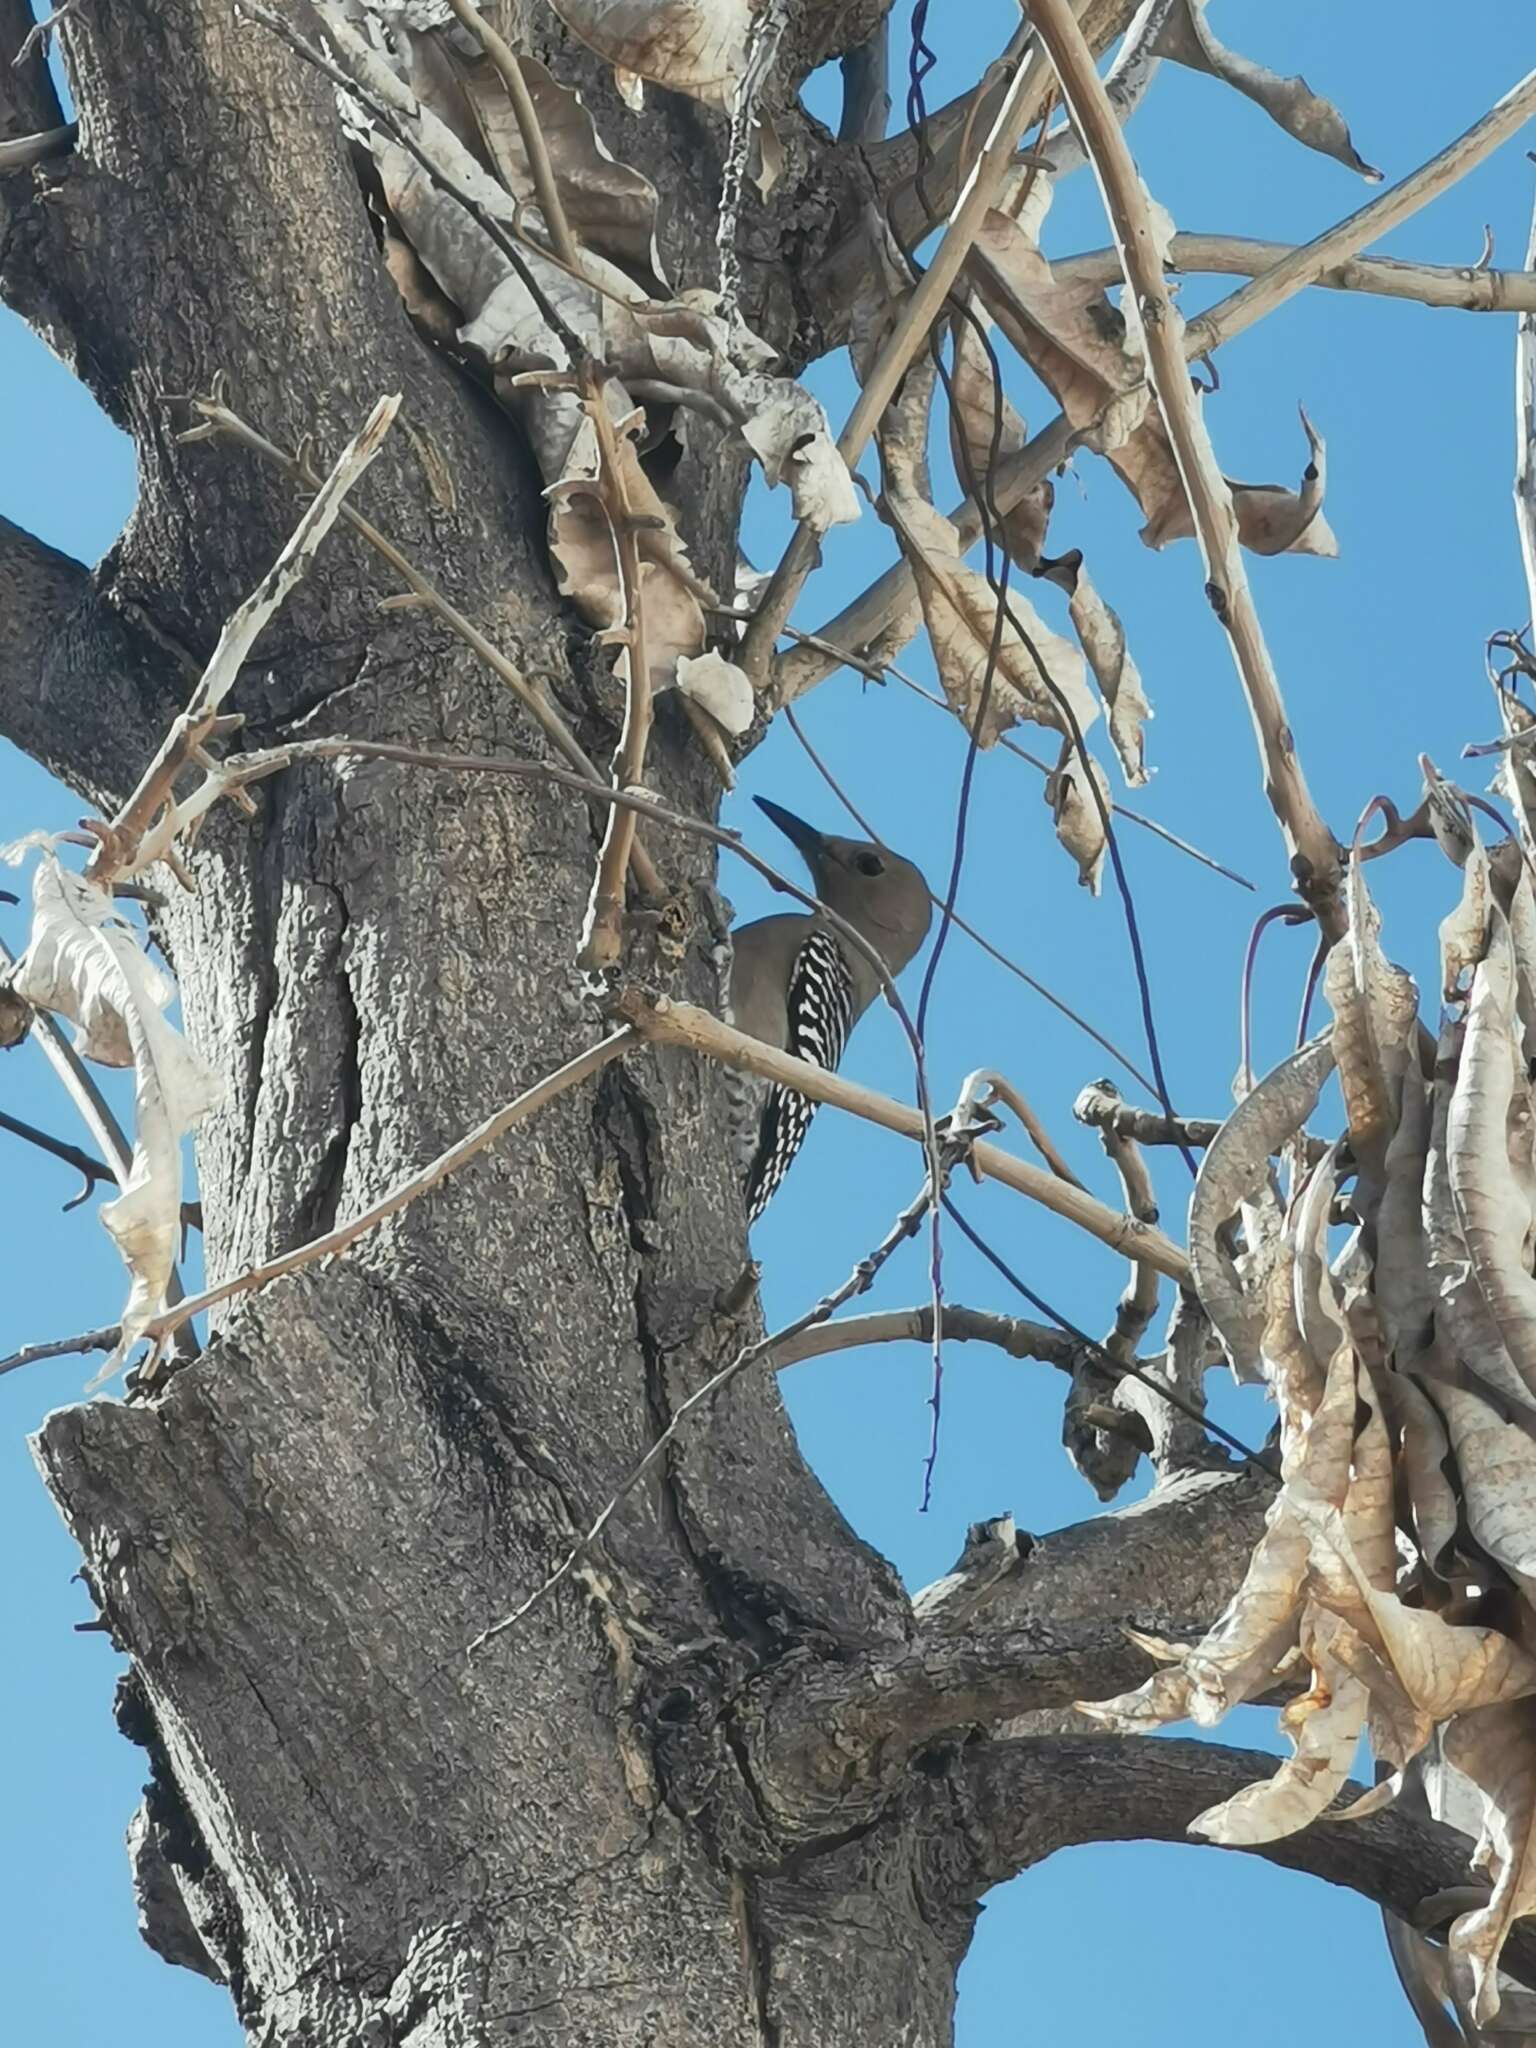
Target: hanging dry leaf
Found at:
x=1078, y=818
x=1496, y=1467
x=984, y=430
x=1235, y=1164
x=1102, y=635
x=1495, y=1747
x=84, y=963
x=1185, y=39
x=1030, y=679
x=1077, y=343
x=1422, y=1450
x=1491, y=1207
x=698, y=47
x=1324, y=1728
x=1375, y=1009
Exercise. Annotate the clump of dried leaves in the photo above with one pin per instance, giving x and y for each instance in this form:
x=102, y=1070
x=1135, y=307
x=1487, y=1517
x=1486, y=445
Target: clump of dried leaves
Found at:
x=1392, y=1592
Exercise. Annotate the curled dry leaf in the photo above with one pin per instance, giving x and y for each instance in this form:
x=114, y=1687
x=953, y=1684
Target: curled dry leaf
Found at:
x=1235, y=1164
x=1324, y=1728
x=984, y=430
x=1079, y=819
x=697, y=47
x=84, y=963
x=1077, y=343
x=1496, y=1467
x=1375, y=1009
x=1495, y=1747
x=1185, y=39
x=1422, y=1450
x=720, y=687
x=1031, y=678
x=611, y=208
x=1491, y=1206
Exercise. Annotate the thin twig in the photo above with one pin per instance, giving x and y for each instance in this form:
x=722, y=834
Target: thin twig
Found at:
x=1525, y=434
x=970, y=930
x=504, y=59
x=917, y=317
x=146, y=828
x=575, y=1071
x=544, y=714
x=63, y=1347
x=1458, y=286
x=1304, y=266
x=1138, y=1304
x=603, y=938
x=1013, y=1334
x=1313, y=850
x=20, y=152
x=1003, y=1090
x=92, y=1169
x=669, y=1023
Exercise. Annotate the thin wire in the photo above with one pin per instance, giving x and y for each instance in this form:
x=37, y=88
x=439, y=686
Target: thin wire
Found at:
x=1100, y=1357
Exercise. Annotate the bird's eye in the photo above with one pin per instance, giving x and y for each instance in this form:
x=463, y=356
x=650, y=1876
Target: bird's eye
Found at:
x=869, y=864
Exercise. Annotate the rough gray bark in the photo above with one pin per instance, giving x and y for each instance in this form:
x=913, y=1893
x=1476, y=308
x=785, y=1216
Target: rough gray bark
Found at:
x=722, y=1788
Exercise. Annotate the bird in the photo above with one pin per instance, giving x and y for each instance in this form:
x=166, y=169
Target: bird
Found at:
x=797, y=984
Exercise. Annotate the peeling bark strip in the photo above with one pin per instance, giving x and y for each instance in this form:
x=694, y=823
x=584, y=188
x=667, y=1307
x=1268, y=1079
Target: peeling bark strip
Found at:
x=725, y=1785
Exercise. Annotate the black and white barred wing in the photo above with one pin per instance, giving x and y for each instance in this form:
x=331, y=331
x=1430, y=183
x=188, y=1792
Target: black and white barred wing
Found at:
x=820, y=1012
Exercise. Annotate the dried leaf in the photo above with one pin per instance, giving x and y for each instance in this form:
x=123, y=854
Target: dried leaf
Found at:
x=1491, y=1206
x=1405, y=1291
x=1076, y=342
x=984, y=430
x=697, y=47
x=83, y=962
x=1235, y=1165
x=1375, y=1008
x=1422, y=1450
x=1079, y=820
x=1324, y=1728
x=1029, y=677
x=1496, y=1748
x=1102, y=635
x=1185, y=39
x=1464, y=934
x=1496, y=1465
x=720, y=687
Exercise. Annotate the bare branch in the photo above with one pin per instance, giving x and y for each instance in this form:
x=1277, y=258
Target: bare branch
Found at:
x=62, y=1347
x=1312, y=847
x=668, y=1023
x=20, y=152
x=1464, y=287
x=1013, y=1334
x=1389, y=210
x=917, y=315
x=146, y=828
x=1525, y=434
x=1031, y=1797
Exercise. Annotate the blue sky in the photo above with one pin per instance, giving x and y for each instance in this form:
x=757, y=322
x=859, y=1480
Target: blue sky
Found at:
x=1381, y=657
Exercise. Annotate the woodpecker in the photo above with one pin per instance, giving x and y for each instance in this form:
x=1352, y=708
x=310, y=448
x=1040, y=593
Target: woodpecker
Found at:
x=797, y=985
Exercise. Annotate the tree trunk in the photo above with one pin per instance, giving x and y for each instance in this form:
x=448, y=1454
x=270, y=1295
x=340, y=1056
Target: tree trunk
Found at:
x=723, y=1786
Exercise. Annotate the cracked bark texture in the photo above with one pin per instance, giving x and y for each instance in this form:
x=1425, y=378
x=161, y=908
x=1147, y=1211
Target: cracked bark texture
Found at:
x=723, y=1787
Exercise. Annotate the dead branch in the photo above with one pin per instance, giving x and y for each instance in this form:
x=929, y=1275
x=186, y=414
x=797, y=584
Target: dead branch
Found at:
x=1463, y=287
x=1312, y=847
x=1368, y=224
x=1013, y=1334
x=62, y=1347
x=146, y=828
x=667, y=1023
x=20, y=152
x=917, y=316
x=504, y=58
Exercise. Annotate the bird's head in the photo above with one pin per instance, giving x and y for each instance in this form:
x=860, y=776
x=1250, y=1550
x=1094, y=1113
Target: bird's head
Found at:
x=881, y=895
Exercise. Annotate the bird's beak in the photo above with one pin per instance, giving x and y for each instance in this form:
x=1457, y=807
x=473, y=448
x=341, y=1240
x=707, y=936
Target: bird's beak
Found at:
x=806, y=837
